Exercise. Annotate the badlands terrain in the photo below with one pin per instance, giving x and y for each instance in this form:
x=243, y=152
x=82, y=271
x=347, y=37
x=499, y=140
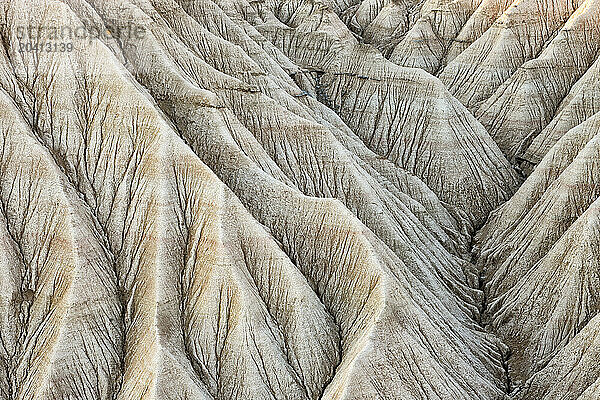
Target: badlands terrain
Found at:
x=300, y=199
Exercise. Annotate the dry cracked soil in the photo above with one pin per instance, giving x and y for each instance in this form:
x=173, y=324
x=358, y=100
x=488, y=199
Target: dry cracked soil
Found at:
x=300, y=199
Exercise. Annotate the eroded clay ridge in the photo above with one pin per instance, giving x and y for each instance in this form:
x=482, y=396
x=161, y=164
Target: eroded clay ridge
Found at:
x=280, y=200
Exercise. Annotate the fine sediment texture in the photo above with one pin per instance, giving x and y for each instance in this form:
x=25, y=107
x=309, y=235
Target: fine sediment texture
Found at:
x=306, y=199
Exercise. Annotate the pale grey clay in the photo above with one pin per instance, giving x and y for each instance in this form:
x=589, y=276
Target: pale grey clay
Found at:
x=299, y=199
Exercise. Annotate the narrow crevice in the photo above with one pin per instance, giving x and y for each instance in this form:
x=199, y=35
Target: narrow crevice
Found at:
x=505, y=360
x=483, y=320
